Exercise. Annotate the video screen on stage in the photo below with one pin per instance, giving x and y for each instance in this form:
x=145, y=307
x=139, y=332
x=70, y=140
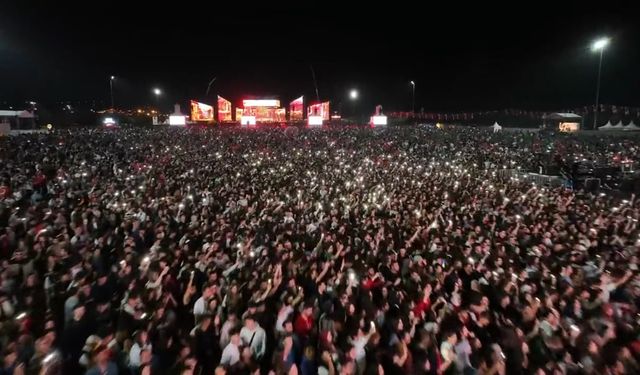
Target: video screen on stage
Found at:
x=319, y=109
x=224, y=110
x=314, y=110
x=296, y=109
x=325, y=111
x=239, y=113
x=263, y=110
x=262, y=114
x=201, y=111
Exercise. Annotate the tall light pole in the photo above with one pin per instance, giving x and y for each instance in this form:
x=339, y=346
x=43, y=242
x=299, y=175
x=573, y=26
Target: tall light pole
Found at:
x=598, y=45
x=111, y=90
x=157, y=92
x=353, y=95
x=413, y=98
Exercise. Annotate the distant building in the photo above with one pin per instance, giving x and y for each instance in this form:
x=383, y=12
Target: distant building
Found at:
x=17, y=120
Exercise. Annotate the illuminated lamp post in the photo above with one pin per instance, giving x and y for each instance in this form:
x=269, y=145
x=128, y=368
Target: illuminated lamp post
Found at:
x=157, y=92
x=598, y=45
x=111, y=90
x=353, y=95
x=413, y=98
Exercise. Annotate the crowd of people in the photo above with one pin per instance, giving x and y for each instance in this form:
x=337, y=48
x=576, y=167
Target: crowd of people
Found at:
x=311, y=251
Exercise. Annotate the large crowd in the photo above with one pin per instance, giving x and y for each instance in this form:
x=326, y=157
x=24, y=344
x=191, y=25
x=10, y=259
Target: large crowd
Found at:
x=295, y=251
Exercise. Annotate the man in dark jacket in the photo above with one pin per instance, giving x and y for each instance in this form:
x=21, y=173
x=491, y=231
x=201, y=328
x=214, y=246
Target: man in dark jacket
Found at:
x=74, y=337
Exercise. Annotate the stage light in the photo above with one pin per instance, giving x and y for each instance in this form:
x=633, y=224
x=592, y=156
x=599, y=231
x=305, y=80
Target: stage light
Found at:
x=109, y=121
x=353, y=94
x=157, y=91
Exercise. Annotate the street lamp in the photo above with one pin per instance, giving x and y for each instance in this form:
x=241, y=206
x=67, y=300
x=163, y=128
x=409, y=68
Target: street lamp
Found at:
x=111, y=90
x=157, y=92
x=353, y=94
x=598, y=45
x=413, y=98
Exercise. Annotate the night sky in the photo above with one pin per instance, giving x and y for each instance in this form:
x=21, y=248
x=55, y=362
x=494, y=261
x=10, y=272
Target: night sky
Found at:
x=462, y=58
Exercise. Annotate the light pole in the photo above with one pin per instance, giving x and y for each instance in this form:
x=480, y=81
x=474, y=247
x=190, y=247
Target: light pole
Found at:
x=413, y=98
x=598, y=45
x=111, y=90
x=157, y=93
x=353, y=94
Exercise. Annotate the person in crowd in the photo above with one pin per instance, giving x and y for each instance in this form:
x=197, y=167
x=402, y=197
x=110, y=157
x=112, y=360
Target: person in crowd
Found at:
x=253, y=337
x=231, y=352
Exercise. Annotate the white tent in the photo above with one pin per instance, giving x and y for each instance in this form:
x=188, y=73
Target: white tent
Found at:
x=496, y=127
x=632, y=126
x=606, y=126
x=618, y=125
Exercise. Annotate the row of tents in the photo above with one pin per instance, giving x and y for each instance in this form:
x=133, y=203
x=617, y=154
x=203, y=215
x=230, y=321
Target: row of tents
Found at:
x=619, y=126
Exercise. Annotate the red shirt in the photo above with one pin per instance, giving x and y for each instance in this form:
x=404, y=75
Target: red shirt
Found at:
x=423, y=305
x=303, y=325
x=371, y=283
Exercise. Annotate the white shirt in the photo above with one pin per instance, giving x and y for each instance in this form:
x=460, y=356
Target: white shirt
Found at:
x=606, y=292
x=446, y=351
x=134, y=354
x=359, y=345
x=259, y=340
x=282, y=316
x=224, y=333
x=199, y=308
x=230, y=355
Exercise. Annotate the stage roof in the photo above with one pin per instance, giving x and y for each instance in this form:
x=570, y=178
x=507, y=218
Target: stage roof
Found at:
x=562, y=116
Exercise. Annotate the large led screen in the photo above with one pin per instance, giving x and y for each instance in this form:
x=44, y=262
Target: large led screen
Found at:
x=201, y=111
x=296, y=109
x=224, y=109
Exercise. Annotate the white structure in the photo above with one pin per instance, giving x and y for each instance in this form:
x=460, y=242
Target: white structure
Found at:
x=380, y=120
x=18, y=119
x=606, y=126
x=314, y=120
x=632, y=126
x=177, y=118
x=248, y=120
x=496, y=127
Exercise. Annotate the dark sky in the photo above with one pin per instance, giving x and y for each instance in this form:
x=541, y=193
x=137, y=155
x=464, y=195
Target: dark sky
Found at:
x=462, y=57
